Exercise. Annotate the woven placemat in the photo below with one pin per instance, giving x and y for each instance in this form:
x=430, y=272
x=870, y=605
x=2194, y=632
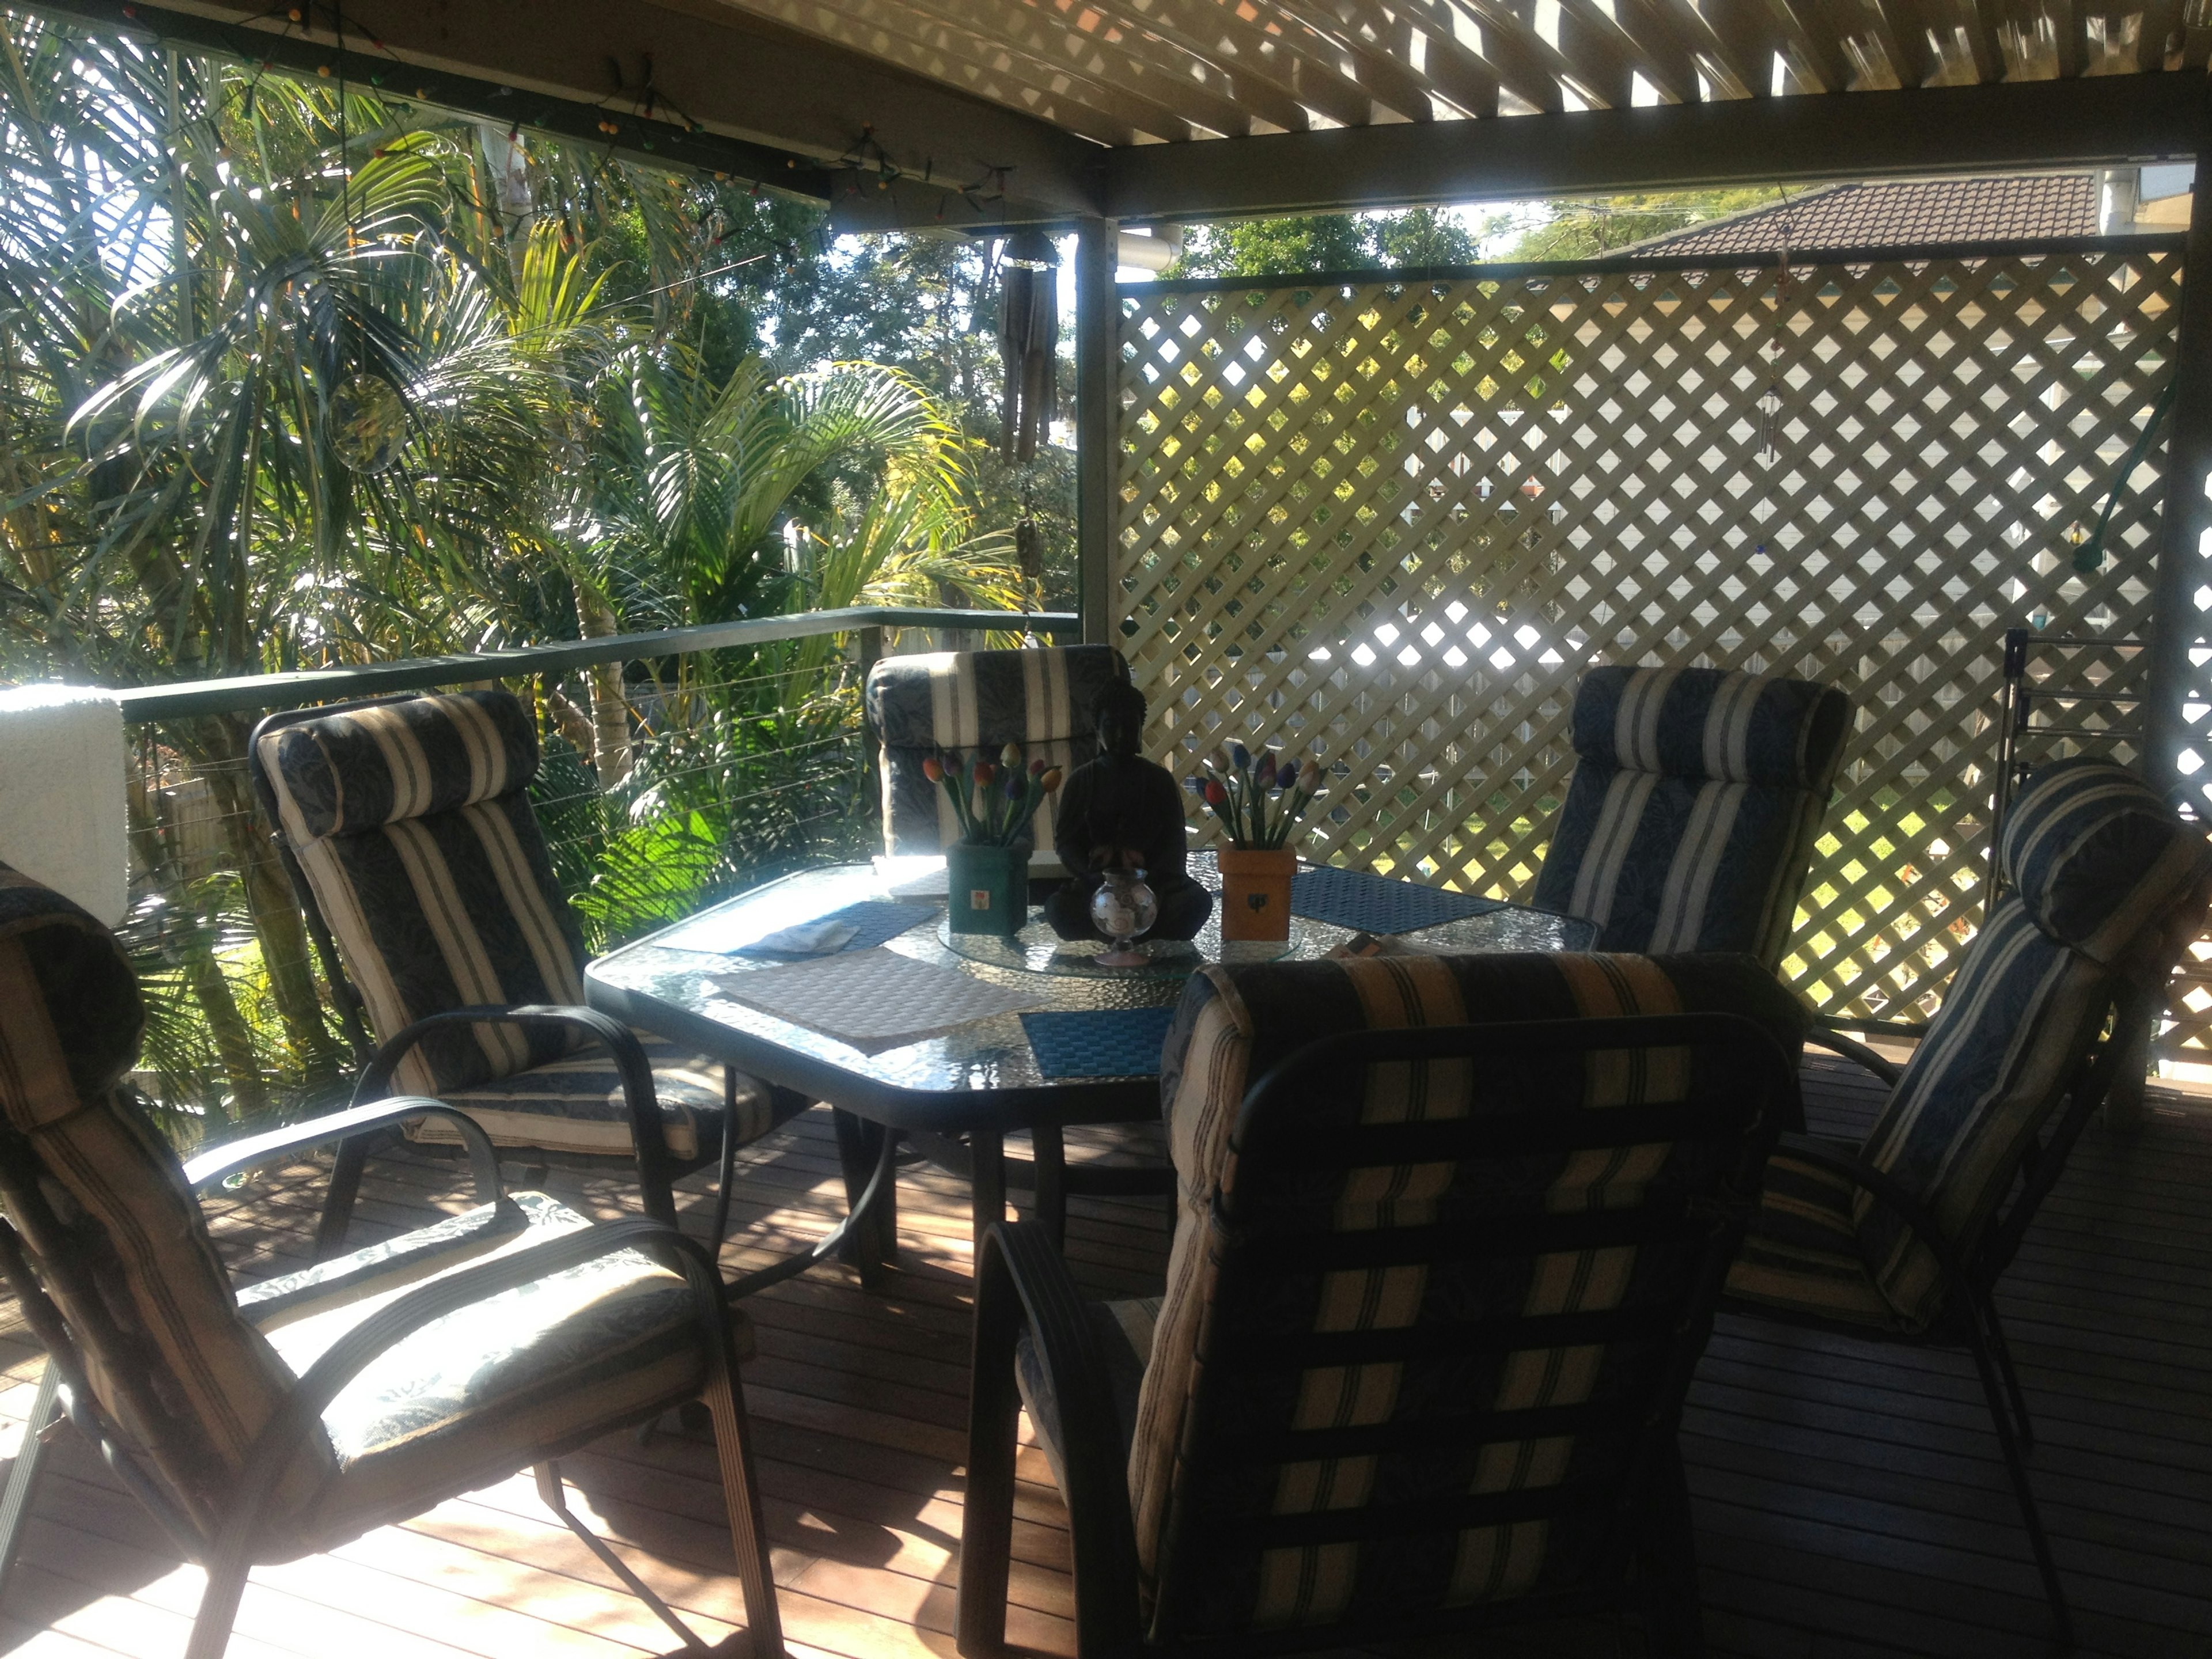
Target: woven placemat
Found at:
x=1376, y=904
x=1099, y=1041
x=874, y=922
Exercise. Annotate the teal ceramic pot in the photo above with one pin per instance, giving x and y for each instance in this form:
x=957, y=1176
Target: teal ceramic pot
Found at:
x=986, y=888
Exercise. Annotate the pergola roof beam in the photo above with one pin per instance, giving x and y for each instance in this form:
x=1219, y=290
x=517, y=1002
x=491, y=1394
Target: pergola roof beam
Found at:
x=1218, y=35
x=2099, y=121
x=740, y=76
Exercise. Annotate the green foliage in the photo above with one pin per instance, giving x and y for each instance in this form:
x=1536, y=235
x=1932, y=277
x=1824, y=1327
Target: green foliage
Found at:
x=625, y=399
x=1321, y=242
x=1589, y=229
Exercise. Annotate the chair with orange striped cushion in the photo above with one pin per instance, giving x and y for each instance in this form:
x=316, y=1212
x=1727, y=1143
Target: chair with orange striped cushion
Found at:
x=408, y=828
x=1690, y=821
x=1435, y=1292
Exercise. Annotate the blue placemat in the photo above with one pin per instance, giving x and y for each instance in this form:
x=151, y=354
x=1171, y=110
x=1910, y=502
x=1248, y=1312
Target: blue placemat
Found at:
x=1099, y=1041
x=1376, y=904
x=874, y=922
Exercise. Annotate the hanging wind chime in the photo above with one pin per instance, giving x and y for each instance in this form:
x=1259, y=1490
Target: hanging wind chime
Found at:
x=1029, y=341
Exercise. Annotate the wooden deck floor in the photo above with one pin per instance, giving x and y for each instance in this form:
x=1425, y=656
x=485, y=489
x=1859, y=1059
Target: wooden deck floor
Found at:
x=1850, y=1501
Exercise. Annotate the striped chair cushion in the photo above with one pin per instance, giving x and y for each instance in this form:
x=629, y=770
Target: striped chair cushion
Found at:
x=1803, y=1250
x=2098, y=858
x=445, y=899
x=2108, y=885
x=1232, y=1024
x=1690, y=821
x=575, y=1105
x=978, y=700
x=94, y=1189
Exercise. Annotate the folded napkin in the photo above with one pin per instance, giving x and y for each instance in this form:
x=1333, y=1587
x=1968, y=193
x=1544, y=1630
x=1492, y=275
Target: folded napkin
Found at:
x=855, y=928
x=809, y=939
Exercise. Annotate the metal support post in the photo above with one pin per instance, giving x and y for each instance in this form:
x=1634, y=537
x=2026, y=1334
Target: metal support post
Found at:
x=2179, y=622
x=1097, y=370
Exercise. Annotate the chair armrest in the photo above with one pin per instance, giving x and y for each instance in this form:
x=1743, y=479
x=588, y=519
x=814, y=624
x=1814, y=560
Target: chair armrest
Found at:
x=1022, y=1283
x=640, y=1098
x=281, y=1437
x=1851, y=1048
x=212, y=1165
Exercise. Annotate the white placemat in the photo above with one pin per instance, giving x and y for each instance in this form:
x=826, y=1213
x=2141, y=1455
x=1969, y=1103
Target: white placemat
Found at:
x=873, y=1000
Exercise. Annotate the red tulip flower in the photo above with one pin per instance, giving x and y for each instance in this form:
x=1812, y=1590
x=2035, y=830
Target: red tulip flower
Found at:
x=1215, y=794
x=985, y=771
x=932, y=768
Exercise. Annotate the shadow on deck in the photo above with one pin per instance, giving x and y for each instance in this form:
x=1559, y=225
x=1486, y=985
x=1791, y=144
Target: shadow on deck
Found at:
x=1849, y=1499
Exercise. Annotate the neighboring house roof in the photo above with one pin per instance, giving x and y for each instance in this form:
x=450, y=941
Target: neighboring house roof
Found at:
x=1900, y=213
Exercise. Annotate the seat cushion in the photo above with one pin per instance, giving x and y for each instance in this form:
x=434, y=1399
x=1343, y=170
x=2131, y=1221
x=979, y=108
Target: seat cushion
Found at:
x=491, y=1388
x=575, y=1105
x=1802, y=1252
x=1123, y=1332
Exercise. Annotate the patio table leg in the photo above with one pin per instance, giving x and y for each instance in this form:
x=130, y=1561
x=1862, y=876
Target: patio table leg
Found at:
x=986, y=1150
x=1049, y=1168
x=872, y=1246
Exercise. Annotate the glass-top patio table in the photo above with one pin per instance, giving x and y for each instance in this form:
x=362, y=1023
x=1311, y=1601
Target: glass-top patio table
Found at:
x=983, y=1080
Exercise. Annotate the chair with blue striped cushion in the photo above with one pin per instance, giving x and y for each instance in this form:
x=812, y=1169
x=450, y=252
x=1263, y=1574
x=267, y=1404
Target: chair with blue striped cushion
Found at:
x=1904, y=1239
x=1696, y=796
x=1435, y=1295
x=976, y=702
x=418, y=857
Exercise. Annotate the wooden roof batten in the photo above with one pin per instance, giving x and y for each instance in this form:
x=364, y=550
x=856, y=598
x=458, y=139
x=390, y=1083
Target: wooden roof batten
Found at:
x=976, y=113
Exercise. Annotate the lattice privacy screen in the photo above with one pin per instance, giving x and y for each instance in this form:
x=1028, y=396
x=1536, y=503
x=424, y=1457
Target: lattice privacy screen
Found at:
x=1389, y=523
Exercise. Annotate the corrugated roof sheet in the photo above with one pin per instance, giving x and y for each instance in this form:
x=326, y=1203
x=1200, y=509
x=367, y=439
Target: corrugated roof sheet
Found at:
x=1904, y=213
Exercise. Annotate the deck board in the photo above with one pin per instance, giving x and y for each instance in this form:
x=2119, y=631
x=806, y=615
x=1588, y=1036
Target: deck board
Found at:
x=1850, y=1501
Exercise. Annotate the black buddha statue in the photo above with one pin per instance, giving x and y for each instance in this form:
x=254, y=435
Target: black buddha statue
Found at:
x=1121, y=812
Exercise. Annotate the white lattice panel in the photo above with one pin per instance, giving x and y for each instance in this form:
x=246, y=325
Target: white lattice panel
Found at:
x=1389, y=524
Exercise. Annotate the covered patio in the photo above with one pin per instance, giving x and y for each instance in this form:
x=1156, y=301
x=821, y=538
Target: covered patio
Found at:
x=1391, y=520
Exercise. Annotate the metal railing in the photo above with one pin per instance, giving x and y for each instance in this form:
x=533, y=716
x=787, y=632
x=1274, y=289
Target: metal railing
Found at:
x=676, y=767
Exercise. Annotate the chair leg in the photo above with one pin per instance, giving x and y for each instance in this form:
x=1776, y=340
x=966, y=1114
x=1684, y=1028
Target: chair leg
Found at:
x=24, y=1479
x=2008, y=1443
x=226, y=1588
x=741, y=1497
x=2002, y=1351
x=1676, y=1610
x=338, y=1197
x=556, y=1499
x=987, y=1529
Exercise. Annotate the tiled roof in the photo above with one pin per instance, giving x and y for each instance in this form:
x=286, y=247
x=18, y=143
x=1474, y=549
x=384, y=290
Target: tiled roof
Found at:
x=1906, y=213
